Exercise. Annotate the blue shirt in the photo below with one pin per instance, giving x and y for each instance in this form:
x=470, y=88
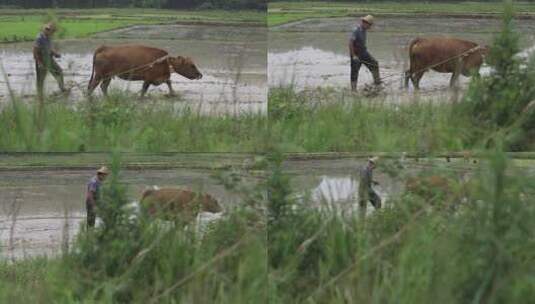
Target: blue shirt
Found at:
x=358, y=36
x=366, y=176
x=93, y=187
x=42, y=42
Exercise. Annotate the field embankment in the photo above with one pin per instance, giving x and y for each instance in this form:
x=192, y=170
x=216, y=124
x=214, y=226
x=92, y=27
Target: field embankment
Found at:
x=286, y=12
x=23, y=25
x=121, y=122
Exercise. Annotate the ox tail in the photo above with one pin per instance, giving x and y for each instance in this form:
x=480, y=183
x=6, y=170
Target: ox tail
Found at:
x=411, y=52
x=98, y=50
x=412, y=62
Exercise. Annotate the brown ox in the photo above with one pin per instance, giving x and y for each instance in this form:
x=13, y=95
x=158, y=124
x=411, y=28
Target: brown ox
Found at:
x=170, y=203
x=444, y=55
x=428, y=186
x=138, y=62
x=439, y=190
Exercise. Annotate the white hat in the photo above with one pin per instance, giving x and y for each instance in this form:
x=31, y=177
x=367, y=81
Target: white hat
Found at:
x=103, y=170
x=50, y=26
x=368, y=19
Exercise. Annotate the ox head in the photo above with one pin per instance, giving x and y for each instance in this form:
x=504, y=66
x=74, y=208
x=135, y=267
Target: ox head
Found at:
x=210, y=204
x=185, y=67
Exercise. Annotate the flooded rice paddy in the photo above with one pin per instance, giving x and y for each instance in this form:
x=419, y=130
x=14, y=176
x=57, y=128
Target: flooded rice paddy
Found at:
x=40, y=209
x=333, y=183
x=231, y=58
x=314, y=52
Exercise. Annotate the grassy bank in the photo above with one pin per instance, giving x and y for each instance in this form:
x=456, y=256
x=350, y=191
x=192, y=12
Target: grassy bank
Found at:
x=137, y=259
x=23, y=25
x=463, y=241
x=338, y=122
x=118, y=122
x=497, y=107
x=33, y=161
x=285, y=12
x=426, y=246
x=334, y=121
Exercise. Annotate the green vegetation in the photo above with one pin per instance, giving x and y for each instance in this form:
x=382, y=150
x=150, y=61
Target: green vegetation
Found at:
x=23, y=25
x=136, y=259
x=152, y=160
x=504, y=101
x=499, y=105
x=285, y=12
x=167, y=4
x=343, y=122
x=470, y=242
x=423, y=247
x=99, y=125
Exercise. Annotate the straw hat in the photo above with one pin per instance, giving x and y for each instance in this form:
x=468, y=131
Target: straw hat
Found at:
x=368, y=19
x=373, y=160
x=51, y=26
x=103, y=170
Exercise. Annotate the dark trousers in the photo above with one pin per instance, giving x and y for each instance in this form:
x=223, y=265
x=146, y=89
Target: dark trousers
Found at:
x=373, y=198
x=91, y=214
x=370, y=63
x=50, y=65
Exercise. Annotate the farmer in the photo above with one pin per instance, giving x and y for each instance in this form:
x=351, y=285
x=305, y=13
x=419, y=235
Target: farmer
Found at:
x=93, y=195
x=44, y=59
x=359, y=53
x=366, y=192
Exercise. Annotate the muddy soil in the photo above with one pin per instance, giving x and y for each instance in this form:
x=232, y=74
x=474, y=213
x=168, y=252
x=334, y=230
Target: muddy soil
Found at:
x=232, y=60
x=314, y=53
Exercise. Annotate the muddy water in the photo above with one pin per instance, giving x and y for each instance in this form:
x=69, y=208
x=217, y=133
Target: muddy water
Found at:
x=314, y=53
x=333, y=183
x=232, y=60
x=33, y=205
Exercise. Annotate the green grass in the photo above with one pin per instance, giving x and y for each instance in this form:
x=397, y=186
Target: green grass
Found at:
x=142, y=260
x=117, y=122
x=65, y=160
x=495, y=107
x=471, y=242
x=285, y=12
x=341, y=123
x=23, y=25
x=26, y=28
x=419, y=249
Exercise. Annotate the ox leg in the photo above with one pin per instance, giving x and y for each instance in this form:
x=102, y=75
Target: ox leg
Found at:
x=93, y=83
x=144, y=88
x=104, y=86
x=454, y=79
x=416, y=80
x=407, y=77
x=171, y=92
x=455, y=75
